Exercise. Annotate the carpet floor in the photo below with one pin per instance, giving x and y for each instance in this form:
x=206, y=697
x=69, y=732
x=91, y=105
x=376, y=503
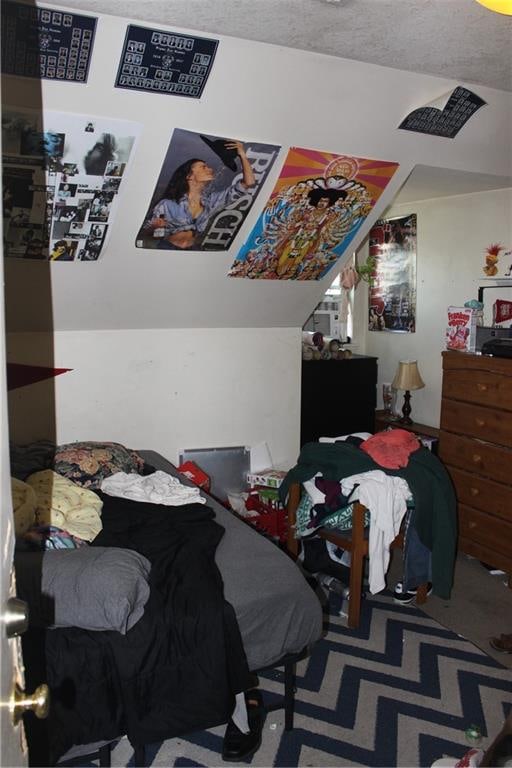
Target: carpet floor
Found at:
x=399, y=691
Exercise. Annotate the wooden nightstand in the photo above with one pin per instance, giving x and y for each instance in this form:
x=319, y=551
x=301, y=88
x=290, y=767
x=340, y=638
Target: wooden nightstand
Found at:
x=384, y=421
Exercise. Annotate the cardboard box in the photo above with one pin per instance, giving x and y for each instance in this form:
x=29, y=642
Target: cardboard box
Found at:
x=461, y=330
x=196, y=474
x=271, y=478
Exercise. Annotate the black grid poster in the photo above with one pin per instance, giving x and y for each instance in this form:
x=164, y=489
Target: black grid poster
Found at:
x=165, y=62
x=46, y=43
x=446, y=120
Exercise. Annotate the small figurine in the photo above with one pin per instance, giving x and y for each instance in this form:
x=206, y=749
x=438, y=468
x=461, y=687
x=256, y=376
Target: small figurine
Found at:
x=492, y=253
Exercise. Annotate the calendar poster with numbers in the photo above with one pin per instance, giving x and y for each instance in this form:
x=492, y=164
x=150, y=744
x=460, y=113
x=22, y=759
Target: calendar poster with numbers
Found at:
x=445, y=116
x=62, y=178
x=46, y=43
x=165, y=62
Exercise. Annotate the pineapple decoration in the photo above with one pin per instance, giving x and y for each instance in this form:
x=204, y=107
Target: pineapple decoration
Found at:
x=492, y=253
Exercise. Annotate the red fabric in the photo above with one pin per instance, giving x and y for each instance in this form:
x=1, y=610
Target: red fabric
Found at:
x=19, y=375
x=472, y=758
x=391, y=449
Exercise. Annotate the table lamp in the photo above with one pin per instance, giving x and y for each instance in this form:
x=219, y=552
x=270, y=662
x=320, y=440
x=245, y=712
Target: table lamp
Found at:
x=407, y=377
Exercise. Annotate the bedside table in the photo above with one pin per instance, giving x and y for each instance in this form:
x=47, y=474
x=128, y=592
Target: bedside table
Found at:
x=385, y=421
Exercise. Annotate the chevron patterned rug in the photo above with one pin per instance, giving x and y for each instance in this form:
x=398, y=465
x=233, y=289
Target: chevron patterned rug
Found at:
x=399, y=691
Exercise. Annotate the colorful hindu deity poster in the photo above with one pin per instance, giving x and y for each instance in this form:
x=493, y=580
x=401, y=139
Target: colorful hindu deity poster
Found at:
x=318, y=204
x=392, y=297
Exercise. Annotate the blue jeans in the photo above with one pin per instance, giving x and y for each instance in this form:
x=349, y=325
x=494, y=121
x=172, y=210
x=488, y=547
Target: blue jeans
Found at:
x=417, y=557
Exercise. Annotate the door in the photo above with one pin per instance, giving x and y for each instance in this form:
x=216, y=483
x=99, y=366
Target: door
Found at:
x=13, y=749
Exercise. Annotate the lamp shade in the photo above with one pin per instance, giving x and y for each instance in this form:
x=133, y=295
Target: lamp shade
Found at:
x=408, y=376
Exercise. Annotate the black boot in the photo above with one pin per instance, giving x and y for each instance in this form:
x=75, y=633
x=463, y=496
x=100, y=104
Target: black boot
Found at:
x=238, y=745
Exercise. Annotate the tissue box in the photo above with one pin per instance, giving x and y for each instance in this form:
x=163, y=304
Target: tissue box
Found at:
x=270, y=478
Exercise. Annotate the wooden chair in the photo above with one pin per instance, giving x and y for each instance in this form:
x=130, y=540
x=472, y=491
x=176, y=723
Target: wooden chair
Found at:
x=354, y=541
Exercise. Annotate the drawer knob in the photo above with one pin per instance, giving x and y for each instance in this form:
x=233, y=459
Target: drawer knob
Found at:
x=482, y=387
x=477, y=458
x=474, y=491
x=471, y=524
x=480, y=422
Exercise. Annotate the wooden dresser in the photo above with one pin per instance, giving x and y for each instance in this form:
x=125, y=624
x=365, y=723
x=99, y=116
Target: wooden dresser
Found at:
x=475, y=444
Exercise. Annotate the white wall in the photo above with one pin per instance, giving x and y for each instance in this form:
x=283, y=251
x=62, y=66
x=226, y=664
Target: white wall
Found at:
x=255, y=92
x=164, y=389
x=453, y=233
x=194, y=387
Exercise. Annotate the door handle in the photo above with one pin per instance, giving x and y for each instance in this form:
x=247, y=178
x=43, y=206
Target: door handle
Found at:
x=15, y=617
x=37, y=702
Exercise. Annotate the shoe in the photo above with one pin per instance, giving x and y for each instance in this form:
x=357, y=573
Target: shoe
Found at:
x=238, y=745
x=403, y=597
x=503, y=643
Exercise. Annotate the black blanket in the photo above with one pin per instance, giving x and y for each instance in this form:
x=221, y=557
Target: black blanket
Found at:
x=179, y=667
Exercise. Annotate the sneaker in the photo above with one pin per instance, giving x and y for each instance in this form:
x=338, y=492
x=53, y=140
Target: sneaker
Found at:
x=403, y=597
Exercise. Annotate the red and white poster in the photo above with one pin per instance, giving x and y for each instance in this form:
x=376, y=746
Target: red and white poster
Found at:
x=392, y=299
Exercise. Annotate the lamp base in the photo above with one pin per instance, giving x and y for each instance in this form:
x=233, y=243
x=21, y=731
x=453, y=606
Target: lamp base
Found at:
x=406, y=409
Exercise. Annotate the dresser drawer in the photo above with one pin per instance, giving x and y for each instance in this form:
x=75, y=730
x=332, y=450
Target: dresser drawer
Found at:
x=486, y=555
x=476, y=456
x=482, y=494
x=488, y=531
x=487, y=424
x=488, y=388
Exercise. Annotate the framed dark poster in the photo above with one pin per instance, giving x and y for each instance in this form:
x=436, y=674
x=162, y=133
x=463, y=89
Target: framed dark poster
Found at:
x=46, y=43
x=165, y=62
x=392, y=292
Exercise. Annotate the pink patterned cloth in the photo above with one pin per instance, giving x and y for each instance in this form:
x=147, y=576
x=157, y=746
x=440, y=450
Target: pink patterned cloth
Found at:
x=391, y=449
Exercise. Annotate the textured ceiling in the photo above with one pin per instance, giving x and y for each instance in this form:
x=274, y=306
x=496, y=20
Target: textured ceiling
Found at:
x=456, y=39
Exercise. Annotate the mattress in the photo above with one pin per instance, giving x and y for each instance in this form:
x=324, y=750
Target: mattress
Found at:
x=278, y=613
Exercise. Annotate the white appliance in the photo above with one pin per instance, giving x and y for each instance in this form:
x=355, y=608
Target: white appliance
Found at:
x=325, y=319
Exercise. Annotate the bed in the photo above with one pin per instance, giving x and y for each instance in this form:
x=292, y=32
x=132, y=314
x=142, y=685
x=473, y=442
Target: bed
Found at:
x=278, y=617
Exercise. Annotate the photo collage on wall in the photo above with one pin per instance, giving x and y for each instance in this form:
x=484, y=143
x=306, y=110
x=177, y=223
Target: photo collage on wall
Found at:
x=62, y=176
x=392, y=294
x=224, y=174
x=316, y=208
